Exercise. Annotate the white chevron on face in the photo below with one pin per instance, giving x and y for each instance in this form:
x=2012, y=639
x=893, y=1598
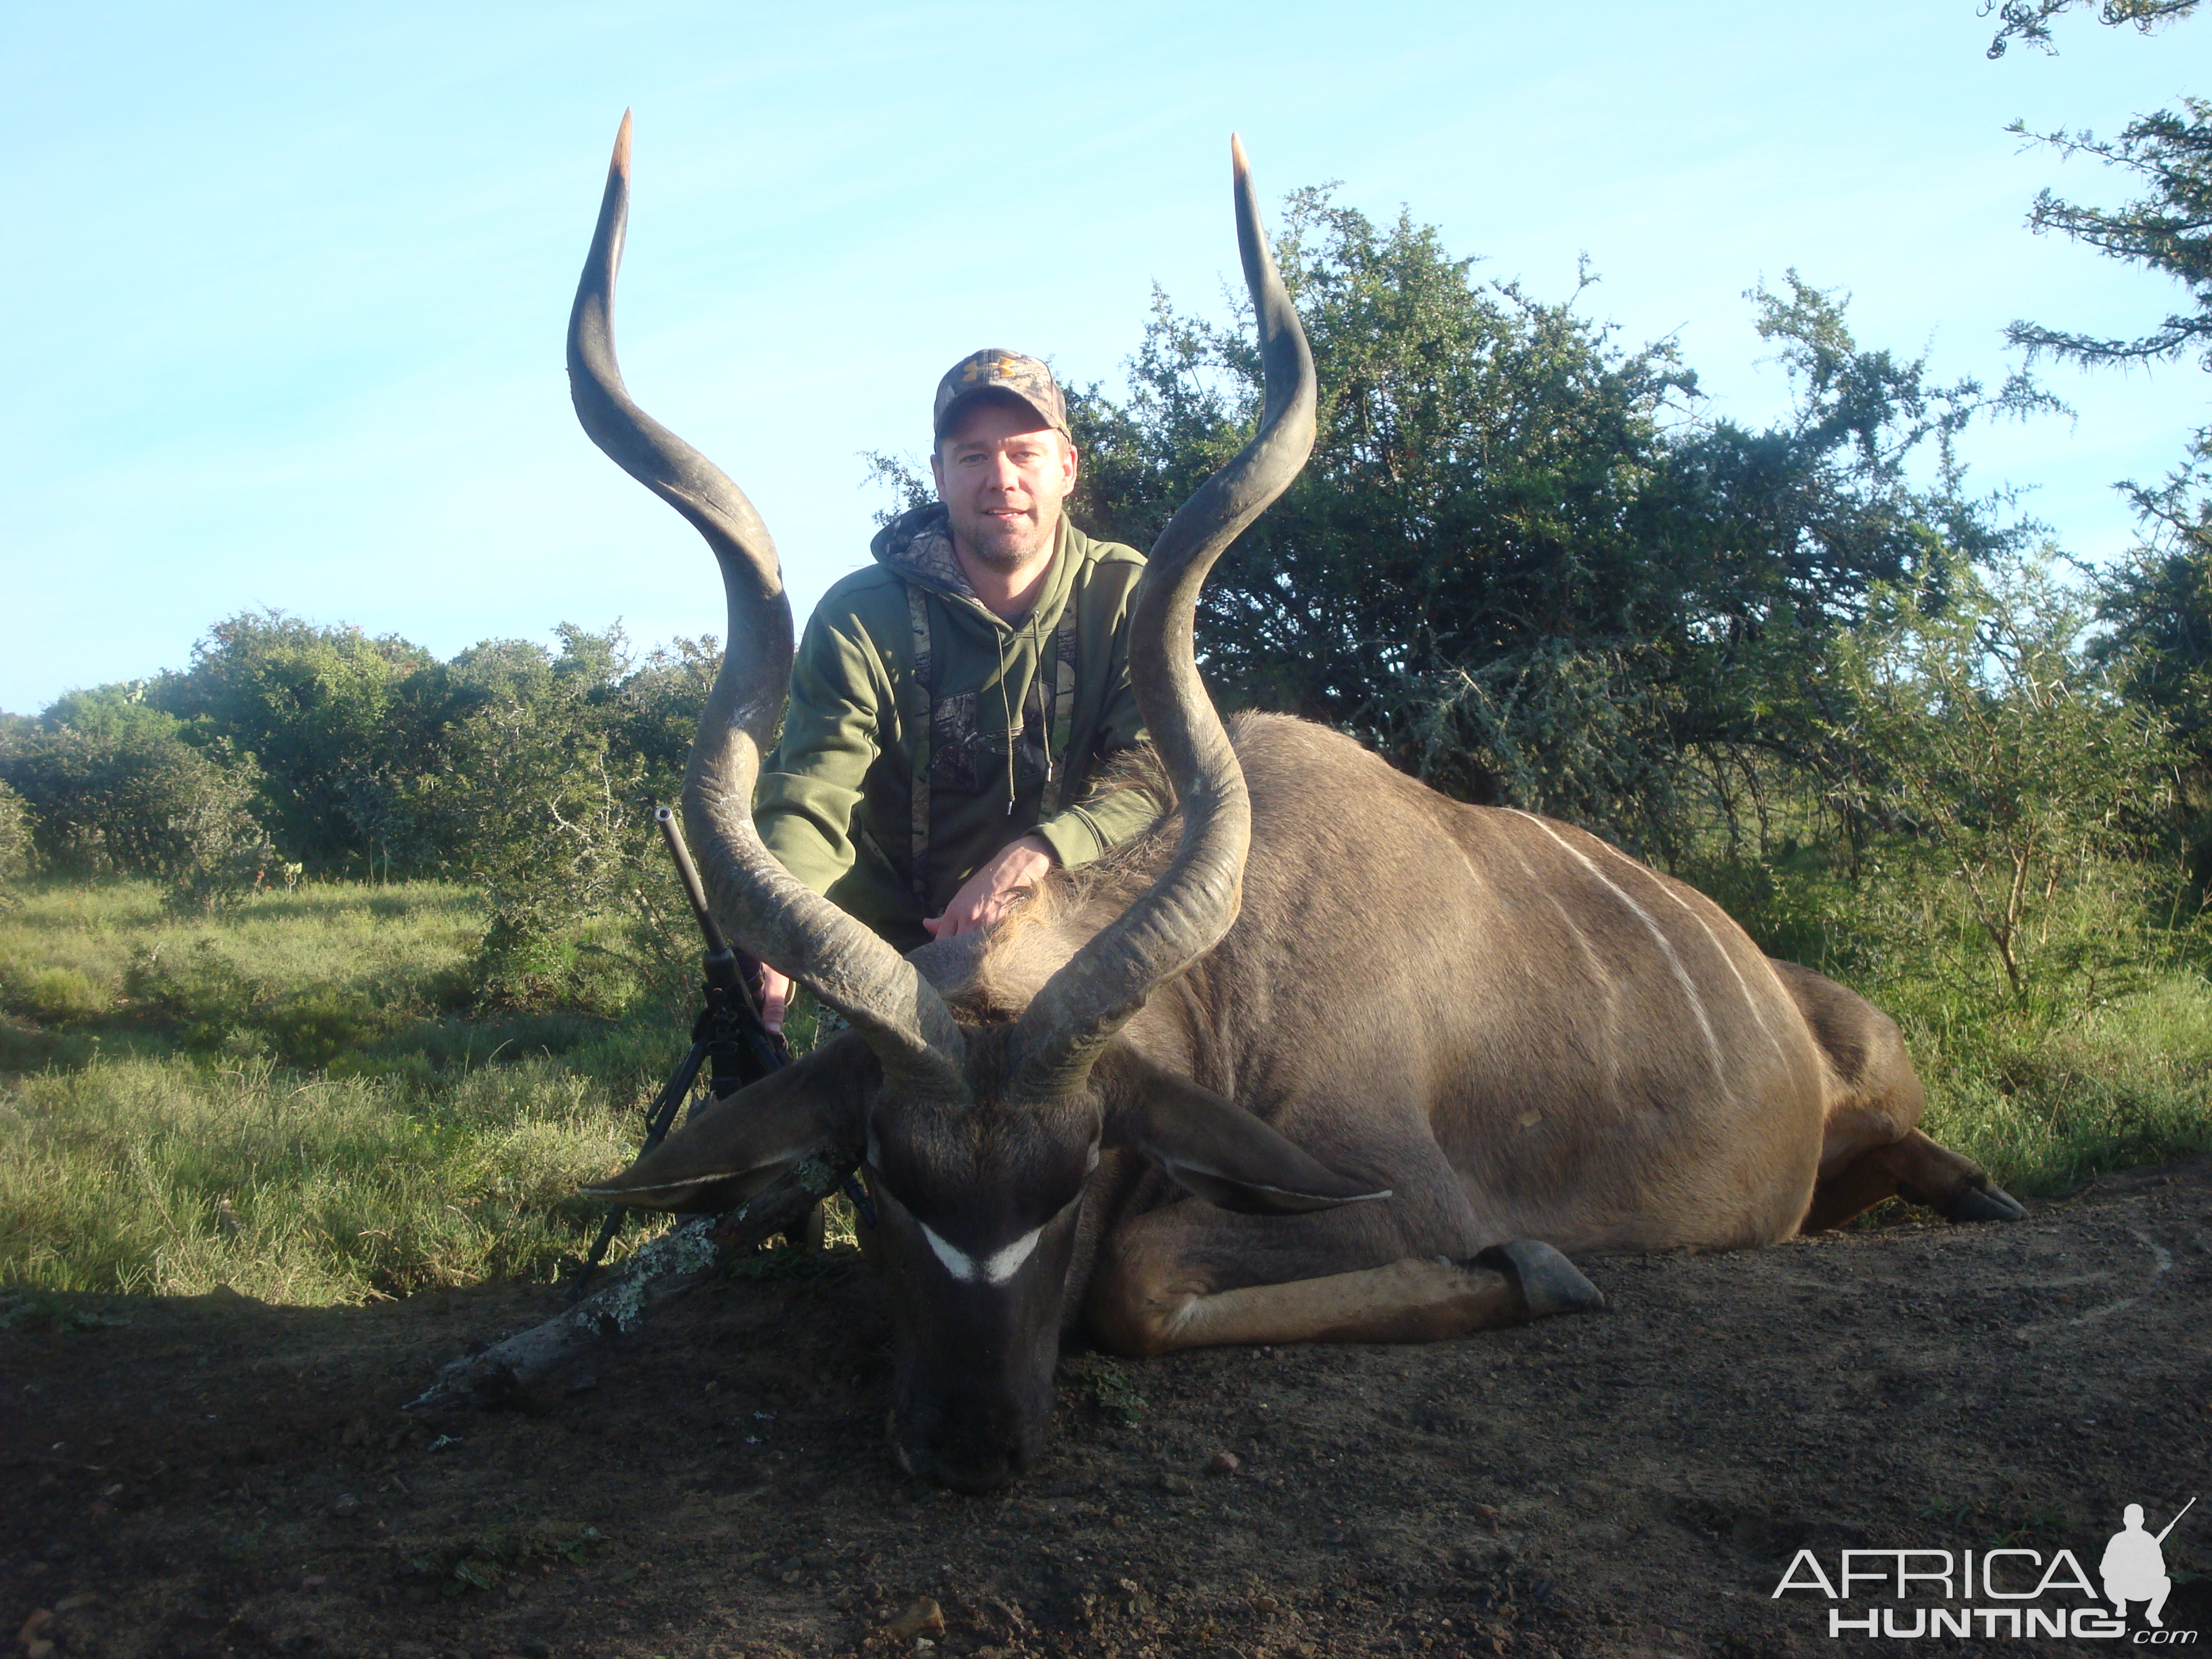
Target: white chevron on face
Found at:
x=996, y=1268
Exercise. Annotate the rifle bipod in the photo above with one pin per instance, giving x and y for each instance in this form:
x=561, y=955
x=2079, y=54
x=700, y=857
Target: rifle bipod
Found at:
x=728, y=1038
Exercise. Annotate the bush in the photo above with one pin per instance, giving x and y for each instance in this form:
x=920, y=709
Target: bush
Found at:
x=339, y=725
x=63, y=993
x=136, y=799
x=1521, y=564
x=15, y=834
x=1975, y=728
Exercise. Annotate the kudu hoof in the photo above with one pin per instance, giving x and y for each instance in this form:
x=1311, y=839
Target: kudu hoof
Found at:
x=1548, y=1283
x=1990, y=1203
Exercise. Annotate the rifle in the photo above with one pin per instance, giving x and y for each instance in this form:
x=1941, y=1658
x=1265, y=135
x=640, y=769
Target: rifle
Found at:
x=2176, y=1521
x=728, y=1038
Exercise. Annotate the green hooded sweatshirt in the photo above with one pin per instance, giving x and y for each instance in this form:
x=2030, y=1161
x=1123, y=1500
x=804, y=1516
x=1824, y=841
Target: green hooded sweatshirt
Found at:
x=1022, y=711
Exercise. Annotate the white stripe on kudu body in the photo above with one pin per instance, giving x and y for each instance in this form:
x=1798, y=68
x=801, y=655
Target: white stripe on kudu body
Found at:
x=1600, y=979
x=1742, y=985
x=995, y=1268
x=1666, y=944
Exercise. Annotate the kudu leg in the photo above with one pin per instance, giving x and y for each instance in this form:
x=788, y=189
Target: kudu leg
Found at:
x=1916, y=1169
x=1409, y=1300
x=1155, y=1297
x=1869, y=1149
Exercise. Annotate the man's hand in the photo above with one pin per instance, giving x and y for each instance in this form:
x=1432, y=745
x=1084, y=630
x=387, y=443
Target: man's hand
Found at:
x=775, y=999
x=981, y=900
x=985, y=896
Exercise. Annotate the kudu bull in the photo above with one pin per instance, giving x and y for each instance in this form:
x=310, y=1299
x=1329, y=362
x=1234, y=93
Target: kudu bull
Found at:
x=1128, y=1106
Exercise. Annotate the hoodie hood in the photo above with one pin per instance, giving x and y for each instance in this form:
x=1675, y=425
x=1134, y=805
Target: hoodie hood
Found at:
x=918, y=545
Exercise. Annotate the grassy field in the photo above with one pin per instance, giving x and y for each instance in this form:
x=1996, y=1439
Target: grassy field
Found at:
x=292, y=1099
x=2101, y=1060
x=2044, y=1104
x=287, y=1099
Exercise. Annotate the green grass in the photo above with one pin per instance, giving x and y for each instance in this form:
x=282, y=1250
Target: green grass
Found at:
x=296, y=976
x=289, y=1098
x=2044, y=1102
x=2102, y=1061
x=168, y=1178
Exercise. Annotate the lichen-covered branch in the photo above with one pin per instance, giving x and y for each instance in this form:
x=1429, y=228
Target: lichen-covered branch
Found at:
x=669, y=1265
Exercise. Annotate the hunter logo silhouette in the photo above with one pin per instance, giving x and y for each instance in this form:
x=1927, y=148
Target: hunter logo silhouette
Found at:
x=2134, y=1567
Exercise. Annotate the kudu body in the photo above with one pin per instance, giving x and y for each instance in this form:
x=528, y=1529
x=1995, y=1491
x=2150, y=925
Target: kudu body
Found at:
x=1326, y=1055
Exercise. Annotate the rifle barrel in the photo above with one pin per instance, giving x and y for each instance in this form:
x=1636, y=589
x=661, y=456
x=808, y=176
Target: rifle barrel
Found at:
x=2176, y=1521
x=688, y=872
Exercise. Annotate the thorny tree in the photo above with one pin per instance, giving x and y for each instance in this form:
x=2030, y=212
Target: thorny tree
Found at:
x=1521, y=564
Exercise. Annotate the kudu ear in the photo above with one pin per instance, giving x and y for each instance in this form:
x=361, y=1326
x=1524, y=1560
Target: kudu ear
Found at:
x=1213, y=1147
x=732, y=1148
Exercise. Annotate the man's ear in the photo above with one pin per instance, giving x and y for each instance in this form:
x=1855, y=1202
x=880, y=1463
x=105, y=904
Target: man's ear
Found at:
x=1213, y=1147
x=732, y=1148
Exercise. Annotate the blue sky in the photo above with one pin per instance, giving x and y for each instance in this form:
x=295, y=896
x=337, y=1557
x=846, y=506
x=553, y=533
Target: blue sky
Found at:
x=287, y=284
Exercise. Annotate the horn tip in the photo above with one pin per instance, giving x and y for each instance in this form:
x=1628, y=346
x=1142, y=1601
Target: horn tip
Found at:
x=622, y=145
x=1237, y=159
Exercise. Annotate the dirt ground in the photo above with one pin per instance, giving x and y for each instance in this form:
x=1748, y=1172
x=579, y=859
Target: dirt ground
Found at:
x=217, y=1477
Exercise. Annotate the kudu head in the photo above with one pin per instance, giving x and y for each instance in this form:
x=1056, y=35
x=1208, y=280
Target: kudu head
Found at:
x=977, y=1141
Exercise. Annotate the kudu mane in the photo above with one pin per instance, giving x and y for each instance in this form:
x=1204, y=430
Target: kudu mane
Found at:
x=1108, y=885
x=1070, y=905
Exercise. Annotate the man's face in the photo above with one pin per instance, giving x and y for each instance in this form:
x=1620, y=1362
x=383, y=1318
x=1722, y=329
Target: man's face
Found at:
x=1002, y=474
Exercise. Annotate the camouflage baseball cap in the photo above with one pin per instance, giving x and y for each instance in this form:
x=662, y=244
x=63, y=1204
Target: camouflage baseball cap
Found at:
x=1008, y=372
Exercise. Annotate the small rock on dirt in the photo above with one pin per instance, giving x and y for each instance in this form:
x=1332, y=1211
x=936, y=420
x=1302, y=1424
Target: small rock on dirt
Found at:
x=923, y=1618
x=1223, y=1462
